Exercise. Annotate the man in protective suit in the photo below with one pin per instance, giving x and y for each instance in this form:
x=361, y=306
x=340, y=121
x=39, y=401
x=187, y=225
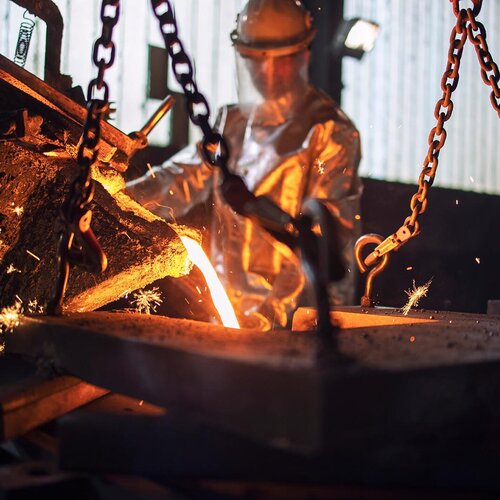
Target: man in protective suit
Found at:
x=289, y=142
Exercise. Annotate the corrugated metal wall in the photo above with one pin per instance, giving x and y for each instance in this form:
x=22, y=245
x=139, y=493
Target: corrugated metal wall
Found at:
x=391, y=94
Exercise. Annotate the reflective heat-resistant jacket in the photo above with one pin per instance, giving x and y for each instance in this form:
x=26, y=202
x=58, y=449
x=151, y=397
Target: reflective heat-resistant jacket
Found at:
x=312, y=153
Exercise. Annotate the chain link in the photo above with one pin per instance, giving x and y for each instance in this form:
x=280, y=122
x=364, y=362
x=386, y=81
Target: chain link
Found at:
x=466, y=27
x=489, y=69
x=77, y=243
x=291, y=231
x=442, y=113
x=214, y=147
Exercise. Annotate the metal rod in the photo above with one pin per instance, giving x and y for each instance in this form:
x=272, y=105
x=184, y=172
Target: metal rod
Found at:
x=162, y=110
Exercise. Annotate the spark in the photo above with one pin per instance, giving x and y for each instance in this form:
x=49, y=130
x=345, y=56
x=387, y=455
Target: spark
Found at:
x=33, y=255
x=409, y=268
x=412, y=339
x=34, y=307
x=146, y=301
x=415, y=294
x=9, y=317
x=320, y=165
x=478, y=260
x=456, y=202
x=11, y=269
x=18, y=211
x=151, y=171
x=357, y=217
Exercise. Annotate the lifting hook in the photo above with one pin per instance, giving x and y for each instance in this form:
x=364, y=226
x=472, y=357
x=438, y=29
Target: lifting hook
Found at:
x=367, y=239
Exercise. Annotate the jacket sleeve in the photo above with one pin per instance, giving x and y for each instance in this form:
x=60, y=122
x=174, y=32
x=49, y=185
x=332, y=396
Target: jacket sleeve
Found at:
x=333, y=179
x=334, y=155
x=173, y=189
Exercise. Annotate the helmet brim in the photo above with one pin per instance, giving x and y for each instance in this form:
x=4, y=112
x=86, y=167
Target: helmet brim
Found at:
x=270, y=50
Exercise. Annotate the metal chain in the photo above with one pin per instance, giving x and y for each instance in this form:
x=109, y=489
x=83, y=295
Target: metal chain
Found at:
x=442, y=113
x=466, y=26
x=214, y=145
x=77, y=243
x=289, y=230
x=489, y=69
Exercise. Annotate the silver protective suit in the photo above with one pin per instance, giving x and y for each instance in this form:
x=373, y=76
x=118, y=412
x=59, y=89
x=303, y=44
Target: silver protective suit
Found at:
x=293, y=145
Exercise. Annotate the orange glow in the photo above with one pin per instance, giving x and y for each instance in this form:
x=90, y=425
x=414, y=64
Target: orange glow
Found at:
x=219, y=295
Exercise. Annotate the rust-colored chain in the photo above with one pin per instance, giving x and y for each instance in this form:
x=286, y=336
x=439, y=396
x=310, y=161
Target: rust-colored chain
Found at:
x=442, y=112
x=489, y=69
x=77, y=242
x=466, y=26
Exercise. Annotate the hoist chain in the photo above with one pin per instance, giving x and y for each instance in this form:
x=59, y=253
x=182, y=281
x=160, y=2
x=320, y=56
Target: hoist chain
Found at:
x=287, y=229
x=466, y=26
x=214, y=145
x=77, y=243
x=489, y=69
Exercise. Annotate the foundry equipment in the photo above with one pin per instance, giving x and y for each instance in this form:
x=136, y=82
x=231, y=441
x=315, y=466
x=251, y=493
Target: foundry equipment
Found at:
x=467, y=27
x=280, y=399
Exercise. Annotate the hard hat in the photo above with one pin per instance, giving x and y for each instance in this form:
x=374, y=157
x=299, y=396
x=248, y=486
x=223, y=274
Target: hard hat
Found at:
x=272, y=28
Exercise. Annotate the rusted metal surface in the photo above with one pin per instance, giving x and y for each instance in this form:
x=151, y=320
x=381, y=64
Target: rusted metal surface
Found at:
x=270, y=387
x=42, y=402
x=140, y=247
x=117, y=146
x=305, y=318
x=29, y=399
x=37, y=164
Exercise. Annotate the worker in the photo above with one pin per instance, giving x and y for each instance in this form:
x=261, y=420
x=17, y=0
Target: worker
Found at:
x=288, y=141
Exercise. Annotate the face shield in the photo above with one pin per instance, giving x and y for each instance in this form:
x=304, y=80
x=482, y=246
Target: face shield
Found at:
x=271, y=83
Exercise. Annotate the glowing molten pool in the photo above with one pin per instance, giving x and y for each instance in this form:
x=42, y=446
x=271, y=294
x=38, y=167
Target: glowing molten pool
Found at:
x=219, y=295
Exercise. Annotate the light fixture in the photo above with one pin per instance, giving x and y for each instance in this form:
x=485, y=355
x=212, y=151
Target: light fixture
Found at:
x=355, y=37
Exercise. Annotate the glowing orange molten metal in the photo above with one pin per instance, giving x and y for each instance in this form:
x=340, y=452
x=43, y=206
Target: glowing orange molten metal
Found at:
x=219, y=295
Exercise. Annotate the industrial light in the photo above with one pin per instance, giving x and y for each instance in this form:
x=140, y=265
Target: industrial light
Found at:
x=355, y=37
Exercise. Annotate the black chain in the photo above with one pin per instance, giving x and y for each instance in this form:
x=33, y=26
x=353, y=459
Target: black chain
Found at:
x=77, y=243
x=214, y=146
x=289, y=230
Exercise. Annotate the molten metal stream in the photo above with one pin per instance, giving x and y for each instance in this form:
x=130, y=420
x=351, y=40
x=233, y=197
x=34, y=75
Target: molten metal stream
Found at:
x=219, y=295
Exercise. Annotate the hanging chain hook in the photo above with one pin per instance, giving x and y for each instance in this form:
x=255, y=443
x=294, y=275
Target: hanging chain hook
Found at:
x=78, y=245
x=367, y=239
x=466, y=27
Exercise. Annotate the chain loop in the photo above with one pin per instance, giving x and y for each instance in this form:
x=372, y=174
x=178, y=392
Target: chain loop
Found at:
x=77, y=243
x=466, y=27
x=489, y=69
x=291, y=231
x=214, y=147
